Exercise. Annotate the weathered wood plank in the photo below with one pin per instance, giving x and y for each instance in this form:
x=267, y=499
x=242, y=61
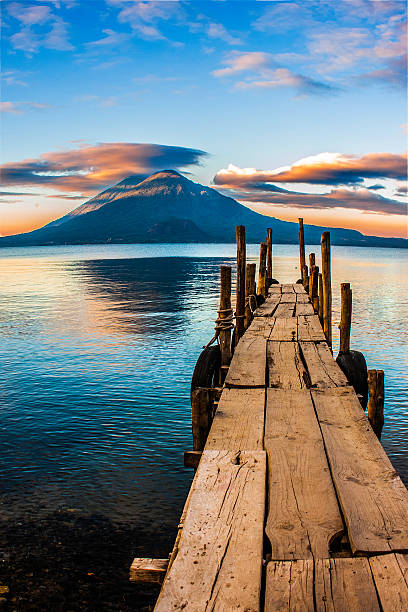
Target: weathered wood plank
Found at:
x=268, y=307
x=309, y=329
x=148, y=570
x=287, y=288
x=219, y=562
x=260, y=326
x=248, y=365
x=289, y=586
x=284, y=329
x=373, y=498
x=302, y=298
x=322, y=369
x=299, y=288
x=303, y=310
x=285, y=366
x=288, y=298
x=239, y=421
x=303, y=513
x=390, y=582
x=275, y=289
x=344, y=585
x=284, y=310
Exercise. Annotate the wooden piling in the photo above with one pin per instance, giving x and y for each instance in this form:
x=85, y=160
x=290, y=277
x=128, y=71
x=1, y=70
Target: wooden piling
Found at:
x=268, y=257
x=321, y=298
x=250, y=290
x=312, y=263
x=202, y=402
x=302, y=260
x=262, y=288
x=240, y=294
x=312, y=260
x=314, y=283
x=376, y=400
x=225, y=312
x=345, y=319
x=326, y=277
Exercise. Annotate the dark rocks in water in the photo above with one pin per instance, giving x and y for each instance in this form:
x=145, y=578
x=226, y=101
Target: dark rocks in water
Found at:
x=167, y=207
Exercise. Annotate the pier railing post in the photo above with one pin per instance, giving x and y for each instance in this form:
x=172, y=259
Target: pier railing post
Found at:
x=376, y=400
x=250, y=290
x=262, y=289
x=302, y=260
x=240, y=292
x=345, y=319
x=312, y=262
x=269, y=274
x=326, y=277
x=314, y=281
x=224, y=313
x=321, y=298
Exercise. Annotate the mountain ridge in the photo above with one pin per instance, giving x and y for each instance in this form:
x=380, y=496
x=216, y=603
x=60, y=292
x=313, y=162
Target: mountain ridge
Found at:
x=168, y=207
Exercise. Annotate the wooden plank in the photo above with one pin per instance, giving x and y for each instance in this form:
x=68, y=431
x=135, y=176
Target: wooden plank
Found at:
x=219, y=563
x=299, y=288
x=391, y=584
x=275, y=289
x=239, y=421
x=268, y=307
x=284, y=329
x=403, y=563
x=302, y=298
x=373, y=498
x=324, y=373
x=148, y=570
x=289, y=586
x=248, y=365
x=344, y=585
x=284, y=310
x=303, y=309
x=285, y=366
x=303, y=513
x=288, y=298
x=260, y=326
x=309, y=329
x=287, y=288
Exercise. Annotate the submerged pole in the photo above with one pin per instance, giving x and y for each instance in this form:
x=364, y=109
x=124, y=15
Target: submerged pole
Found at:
x=240, y=293
x=250, y=290
x=376, y=400
x=269, y=275
x=326, y=277
x=345, y=319
x=262, y=289
x=225, y=312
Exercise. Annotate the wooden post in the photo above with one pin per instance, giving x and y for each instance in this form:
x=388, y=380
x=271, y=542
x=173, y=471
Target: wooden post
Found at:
x=202, y=401
x=240, y=299
x=321, y=298
x=262, y=289
x=312, y=262
x=314, y=281
x=305, y=278
x=345, y=319
x=376, y=400
x=268, y=257
x=326, y=277
x=249, y=290
x=225, y=312
x=302, y=260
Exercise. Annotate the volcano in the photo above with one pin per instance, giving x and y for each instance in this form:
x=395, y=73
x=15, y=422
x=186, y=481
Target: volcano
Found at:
x=169, y=208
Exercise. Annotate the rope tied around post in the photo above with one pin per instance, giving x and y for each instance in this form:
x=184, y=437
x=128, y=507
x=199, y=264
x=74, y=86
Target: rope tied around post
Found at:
x=223, y=323
x=248, y=303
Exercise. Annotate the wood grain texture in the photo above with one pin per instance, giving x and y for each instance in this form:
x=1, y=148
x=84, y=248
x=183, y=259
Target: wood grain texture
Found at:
x=287, y=288
x=309, y=329
x=285, y=366
x=302, y=309
x=284, y=310
x=344, y=585
x=239, y=421
x=303, y=514
x=219, y=561
x=299, y=288
x=267, y=309
x=302, y=298
x=288, y=298
x=284, y=329
x=248, y=365
x=324, y=373
x=275, y=289
x=373, y=498
x=390, y=582
x=289, y=586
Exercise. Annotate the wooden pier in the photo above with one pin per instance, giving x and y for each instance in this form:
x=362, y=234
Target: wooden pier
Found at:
x=294, y=505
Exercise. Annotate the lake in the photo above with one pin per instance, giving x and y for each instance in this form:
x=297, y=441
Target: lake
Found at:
x=98, y=345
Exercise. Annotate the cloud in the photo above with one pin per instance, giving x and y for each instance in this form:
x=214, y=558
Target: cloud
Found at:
x=322, y=169
x=143, y=17
x=39, y=27
x=89, y=168
x=264, y=73
x=18, y=108
x=12, y=78
x=217, y=30
x=111, y=38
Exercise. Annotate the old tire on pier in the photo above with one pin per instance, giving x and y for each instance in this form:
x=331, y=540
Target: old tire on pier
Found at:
x=354, y=366
x=206, y=369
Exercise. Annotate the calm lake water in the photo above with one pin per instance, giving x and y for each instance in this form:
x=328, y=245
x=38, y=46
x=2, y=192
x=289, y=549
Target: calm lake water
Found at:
x=98, y=345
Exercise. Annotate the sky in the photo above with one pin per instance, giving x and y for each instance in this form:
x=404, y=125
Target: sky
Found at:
x=294, y=108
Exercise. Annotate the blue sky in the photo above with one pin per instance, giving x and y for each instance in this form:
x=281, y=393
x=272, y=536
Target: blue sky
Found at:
x=241, y=90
